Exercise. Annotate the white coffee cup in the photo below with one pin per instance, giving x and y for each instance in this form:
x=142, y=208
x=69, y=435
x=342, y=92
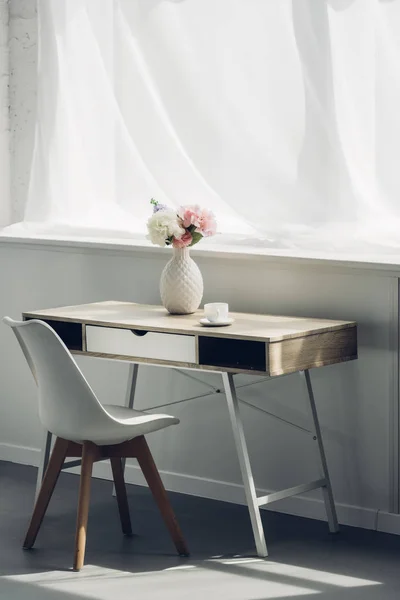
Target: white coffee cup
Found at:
x=216, y=311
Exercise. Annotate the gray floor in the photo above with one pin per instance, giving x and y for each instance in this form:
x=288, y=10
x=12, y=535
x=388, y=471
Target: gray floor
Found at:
x=305, y=560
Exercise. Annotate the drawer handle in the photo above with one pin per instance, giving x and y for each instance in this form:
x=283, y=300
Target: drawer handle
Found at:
x=138, y=332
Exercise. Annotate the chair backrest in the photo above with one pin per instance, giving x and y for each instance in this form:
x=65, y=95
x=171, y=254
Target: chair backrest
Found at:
x=68, y=407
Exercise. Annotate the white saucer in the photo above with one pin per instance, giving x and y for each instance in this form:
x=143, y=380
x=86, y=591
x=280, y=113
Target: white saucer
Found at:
x=208, y=323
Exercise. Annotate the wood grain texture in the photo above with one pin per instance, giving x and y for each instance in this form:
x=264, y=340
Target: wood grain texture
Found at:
x=299, y=354
x=128, y=315
x=84, y=339
x=90, y=452
x=122, y=499
x=166, y=363
x=46, y=491
x=160, y=495
x=88, y=456
x=292, y=343
x=128, y=449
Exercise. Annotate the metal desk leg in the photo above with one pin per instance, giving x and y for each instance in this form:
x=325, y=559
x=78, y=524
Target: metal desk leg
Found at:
x=245, y=467
x=43, y=460
x=327, y=488
x=131, y=386
x=129, y=399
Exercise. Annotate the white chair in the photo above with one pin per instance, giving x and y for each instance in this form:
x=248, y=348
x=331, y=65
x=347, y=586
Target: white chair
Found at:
x=70, y=410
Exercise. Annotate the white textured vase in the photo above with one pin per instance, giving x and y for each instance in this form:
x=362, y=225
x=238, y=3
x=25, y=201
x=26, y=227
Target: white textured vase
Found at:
x=181, y=284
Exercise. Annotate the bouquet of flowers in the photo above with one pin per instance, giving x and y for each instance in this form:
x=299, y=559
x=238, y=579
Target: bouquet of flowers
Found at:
x=179, y=228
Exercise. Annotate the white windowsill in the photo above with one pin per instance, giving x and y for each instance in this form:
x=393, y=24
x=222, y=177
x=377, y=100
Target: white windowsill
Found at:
x=385, y=264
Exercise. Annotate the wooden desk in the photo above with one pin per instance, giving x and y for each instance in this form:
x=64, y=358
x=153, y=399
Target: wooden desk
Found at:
x=258, y=344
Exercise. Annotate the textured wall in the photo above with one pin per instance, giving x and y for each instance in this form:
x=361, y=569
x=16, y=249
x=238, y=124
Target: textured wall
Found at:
x=23, y=55
x=4, y=116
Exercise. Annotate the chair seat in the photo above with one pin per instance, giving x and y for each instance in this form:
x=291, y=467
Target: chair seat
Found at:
x=127, y=423
x=129, y=416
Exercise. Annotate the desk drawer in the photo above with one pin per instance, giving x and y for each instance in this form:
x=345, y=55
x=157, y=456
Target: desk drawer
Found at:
x=140, y=344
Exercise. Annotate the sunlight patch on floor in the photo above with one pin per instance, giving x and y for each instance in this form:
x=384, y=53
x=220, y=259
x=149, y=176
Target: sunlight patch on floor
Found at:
x=204, y=577
x=197, y=580
x=325, y=577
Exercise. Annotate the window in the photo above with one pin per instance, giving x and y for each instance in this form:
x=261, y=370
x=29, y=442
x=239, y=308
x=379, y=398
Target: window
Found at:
x=268, y=113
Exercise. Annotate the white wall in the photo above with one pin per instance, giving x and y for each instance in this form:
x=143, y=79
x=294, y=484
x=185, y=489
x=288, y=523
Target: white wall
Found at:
x=4, y=116
x=354, y=399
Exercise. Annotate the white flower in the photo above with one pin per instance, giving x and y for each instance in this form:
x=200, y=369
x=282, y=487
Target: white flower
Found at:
x=162, y=225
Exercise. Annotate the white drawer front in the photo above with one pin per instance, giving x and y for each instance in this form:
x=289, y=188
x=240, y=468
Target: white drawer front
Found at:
x=161, y=346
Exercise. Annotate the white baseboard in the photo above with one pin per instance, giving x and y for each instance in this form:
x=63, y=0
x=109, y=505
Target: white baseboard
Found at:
x=388, y=523
x=303, y=506
x=19, y=454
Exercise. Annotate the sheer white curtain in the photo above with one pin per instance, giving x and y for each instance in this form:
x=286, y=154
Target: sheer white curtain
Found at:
x=280, y=115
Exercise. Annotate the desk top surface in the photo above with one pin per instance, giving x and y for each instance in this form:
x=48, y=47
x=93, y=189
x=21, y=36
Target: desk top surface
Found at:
x=128, y=315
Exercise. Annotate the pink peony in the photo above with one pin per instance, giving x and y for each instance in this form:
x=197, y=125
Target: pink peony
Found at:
x=184, y=241
x=190, y=215
x=203, y=219
x=207, y=224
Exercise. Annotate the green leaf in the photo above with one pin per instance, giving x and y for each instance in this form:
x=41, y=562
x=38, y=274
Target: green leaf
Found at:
x=196, y=238
x=153, y=202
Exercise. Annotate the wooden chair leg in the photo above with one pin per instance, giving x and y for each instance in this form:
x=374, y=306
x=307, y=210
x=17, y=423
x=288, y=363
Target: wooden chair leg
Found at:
x=122, y=499
x=89, y=452
x=152, y=476
x=46, y=491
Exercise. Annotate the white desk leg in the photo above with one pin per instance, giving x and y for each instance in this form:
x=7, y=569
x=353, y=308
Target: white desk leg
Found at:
x=130, y=397
x=327, y=489
x=43, y=460
x=245, y=467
